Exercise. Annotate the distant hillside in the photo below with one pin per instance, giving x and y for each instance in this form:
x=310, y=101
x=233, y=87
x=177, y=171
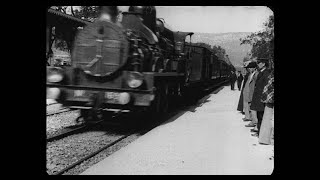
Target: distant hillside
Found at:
x=229, y=41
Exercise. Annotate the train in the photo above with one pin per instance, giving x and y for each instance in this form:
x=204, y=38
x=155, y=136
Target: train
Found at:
x=139, y=64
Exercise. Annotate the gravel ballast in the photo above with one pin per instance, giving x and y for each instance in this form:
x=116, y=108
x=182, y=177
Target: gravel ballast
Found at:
x=69, y=150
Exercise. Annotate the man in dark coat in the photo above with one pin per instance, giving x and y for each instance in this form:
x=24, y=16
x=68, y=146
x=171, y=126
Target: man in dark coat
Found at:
x=233, y=78
x=239, y=80
x=262, y=80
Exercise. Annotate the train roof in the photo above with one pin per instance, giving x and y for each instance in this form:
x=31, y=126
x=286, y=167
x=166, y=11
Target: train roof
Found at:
x=76, y=21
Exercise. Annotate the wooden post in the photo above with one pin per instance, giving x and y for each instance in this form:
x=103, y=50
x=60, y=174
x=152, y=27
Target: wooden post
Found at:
x=48, y=42
x=48, y=38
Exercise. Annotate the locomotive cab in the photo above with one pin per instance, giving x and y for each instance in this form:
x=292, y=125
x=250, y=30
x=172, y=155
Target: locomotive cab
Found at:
x=182, y=54
x=180, y=41
x=166, y=36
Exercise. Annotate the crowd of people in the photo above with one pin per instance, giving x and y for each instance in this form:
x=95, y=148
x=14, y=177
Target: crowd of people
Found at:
x=236, y=76
x=256, y=100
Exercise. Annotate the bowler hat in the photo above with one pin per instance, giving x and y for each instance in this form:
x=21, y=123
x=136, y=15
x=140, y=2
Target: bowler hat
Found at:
x=252, y=64
x=264, y=60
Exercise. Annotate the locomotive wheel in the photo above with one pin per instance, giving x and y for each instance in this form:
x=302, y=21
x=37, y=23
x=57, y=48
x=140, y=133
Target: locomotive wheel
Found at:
x=83, y=116
x=188, y=73
x=158, y=65
x=160, y=104
x=167, y=65
x=90, y=115
x=165, y=99
x=95, y=114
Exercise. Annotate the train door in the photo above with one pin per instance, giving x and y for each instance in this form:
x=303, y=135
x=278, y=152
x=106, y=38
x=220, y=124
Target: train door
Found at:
x=211, y=66
x=196, y=63
x=203, y=69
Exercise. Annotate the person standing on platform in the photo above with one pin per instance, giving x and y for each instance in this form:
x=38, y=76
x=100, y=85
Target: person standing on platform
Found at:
x=246, y=91
x=240, y=102
x=262, y=80
x=233, y=78
x=252, y=83
x=246, y=75
x=267, y=98
x=239, y=80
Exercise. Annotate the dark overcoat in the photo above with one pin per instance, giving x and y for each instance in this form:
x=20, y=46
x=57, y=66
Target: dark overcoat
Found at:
x=240, y=78
x=240, y=103
x=233, y=78
x=262, y=80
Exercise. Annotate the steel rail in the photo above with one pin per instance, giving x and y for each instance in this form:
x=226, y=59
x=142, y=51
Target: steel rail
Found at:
x=50, y=114
x=73, y=131
x=92, y=154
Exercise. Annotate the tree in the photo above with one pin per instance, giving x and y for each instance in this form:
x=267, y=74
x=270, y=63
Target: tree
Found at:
x=263, y=41
x=220, y=52
x=89, y=13
x=247, y=57
x=64, y=35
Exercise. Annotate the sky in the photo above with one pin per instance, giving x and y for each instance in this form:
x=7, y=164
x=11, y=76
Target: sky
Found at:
x=213, y=19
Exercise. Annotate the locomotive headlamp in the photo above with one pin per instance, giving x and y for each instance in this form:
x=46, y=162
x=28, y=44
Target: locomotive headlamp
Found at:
x=53, y=93
x=135, y=79
x=124, y=98
x=54, y=75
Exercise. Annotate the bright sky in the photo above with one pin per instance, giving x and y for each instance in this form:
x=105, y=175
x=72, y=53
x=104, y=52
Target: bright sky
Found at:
x=213, y=19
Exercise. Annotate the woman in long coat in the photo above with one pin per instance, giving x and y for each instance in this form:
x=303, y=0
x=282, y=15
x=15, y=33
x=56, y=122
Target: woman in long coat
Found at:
x=240, y=103
x=267, y=98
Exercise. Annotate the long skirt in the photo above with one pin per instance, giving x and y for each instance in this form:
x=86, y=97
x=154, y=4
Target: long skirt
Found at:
x=246, y=109
x=240, y=102
x=265, y=134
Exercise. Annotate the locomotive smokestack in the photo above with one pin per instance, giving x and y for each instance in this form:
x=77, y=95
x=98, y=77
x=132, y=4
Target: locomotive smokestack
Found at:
x=108, y=13
x=148, y=15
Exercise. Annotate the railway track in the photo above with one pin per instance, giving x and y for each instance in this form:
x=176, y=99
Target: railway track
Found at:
x=61, y=111
x=92, y=154
x=52, y=104
x=70, y=131
x=105, y=147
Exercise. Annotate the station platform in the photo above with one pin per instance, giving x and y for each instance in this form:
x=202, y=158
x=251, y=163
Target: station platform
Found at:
x=210, y=139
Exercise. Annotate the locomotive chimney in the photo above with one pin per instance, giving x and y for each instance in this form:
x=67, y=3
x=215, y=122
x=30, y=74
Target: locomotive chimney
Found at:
x=108, y=13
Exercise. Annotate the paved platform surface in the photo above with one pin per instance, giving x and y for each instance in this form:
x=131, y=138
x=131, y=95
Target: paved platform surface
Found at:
x=211, y=140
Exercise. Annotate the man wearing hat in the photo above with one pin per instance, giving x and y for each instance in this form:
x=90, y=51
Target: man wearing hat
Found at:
x=247, y=93
x=252, y=83
x=246, y=77
x=261, y=81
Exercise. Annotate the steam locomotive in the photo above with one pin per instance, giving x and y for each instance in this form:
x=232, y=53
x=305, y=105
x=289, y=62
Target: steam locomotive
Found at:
x=138, y=64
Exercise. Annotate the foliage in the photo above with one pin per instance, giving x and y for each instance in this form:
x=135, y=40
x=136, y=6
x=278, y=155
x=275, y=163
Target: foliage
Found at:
x=246, y=58
x=221, y=53
x=263, y=41
x=63, y=35
x=83, y=12
x=86, y=12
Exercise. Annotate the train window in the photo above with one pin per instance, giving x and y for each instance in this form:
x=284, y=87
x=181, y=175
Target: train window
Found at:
x=178, y=46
